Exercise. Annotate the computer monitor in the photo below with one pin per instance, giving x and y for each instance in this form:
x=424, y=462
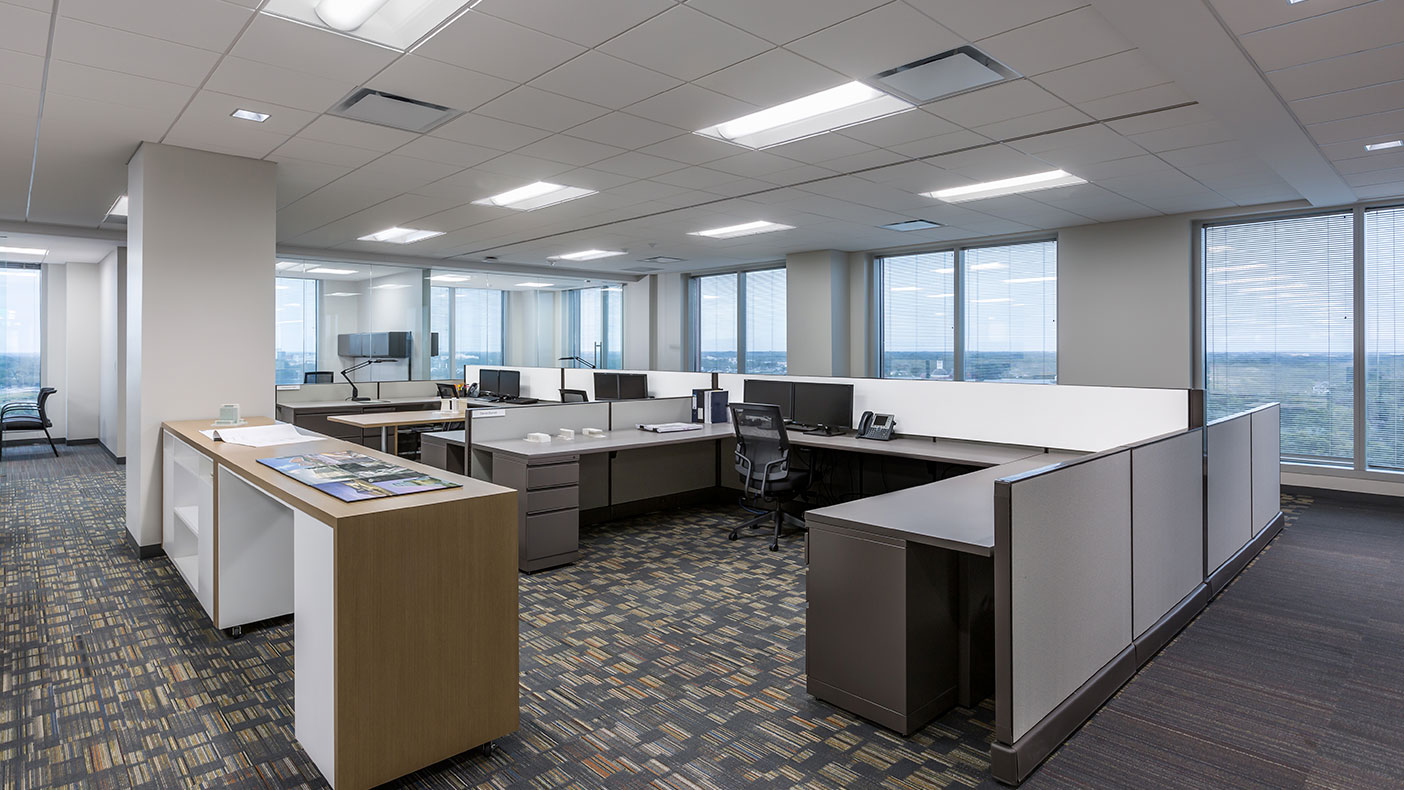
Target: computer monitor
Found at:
x=606, y=386
x=633, y=386
x=779, y=393
x=824, y=404
x=487, y=381
x=510, y=383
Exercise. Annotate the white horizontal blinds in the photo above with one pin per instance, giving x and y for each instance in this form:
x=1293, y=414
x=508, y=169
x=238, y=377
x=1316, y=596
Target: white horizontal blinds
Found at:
x=716, y=327
x=477, y=327
x=591, y=327
x=295, y=335
x=441, y=322
x=918, y=316
x=1384, y=338
x=765, y=321
x=1279, y=326
x=1011, y=312
x=611, y=301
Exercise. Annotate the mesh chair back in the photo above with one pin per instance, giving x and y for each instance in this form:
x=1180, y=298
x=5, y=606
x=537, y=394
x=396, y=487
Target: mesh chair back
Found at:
x=575, y=396
x=317, y=377
x=44, y=394
x=762, y=448
x=446, y=390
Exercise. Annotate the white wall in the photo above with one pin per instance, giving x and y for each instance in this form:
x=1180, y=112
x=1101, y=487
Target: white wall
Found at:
x=391, y=310
x=112, y=334
x=817, y=303
x=533, y=328
x=337, y=315
x=202, y=238
x=54, y=367
x=83, y=358
x=669, y=293
x=638, y=320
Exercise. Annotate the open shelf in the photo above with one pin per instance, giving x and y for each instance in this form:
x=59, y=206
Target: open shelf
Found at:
x=189, y=517
x=189, y=567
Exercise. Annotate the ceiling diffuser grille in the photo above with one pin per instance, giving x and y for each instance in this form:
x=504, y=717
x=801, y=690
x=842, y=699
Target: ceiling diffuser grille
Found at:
x=397, y=112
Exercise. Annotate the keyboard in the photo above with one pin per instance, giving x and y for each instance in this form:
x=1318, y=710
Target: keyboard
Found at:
x=518, y=400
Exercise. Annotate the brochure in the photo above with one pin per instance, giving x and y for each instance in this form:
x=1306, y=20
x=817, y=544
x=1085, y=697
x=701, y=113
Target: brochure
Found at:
x=352, y=477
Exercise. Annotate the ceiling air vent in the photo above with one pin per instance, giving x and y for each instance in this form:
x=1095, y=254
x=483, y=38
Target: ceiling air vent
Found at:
x=662, y=259
x=642, y=269
x=911, y=224
x=957, y=71
x=397, y=112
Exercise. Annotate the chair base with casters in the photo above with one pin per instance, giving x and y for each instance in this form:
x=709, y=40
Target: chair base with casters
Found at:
x=778, y=516
x=27, y=416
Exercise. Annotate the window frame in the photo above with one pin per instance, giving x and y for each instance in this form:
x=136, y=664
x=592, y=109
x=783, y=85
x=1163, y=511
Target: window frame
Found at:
x=574, y=316
x=318, y=292
x=694, y=314
x=449, y=346
x=41, y=312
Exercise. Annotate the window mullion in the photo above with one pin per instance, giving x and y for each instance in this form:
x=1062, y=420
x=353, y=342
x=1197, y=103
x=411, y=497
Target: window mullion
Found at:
x=741, y=322
x=958, y=317
x=1358, y=317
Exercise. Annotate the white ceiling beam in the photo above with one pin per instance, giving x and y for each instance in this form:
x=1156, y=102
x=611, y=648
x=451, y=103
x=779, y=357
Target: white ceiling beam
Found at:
x=1190, y=44
x=486, y=267
x=63, y=231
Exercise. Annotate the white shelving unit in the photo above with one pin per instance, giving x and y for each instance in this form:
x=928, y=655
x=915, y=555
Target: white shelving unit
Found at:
x=187, y=493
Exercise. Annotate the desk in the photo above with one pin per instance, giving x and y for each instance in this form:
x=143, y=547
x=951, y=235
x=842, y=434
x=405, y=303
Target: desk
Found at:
x=900, y=625
x=314, y=415
x=391, y=421
x=405, y=633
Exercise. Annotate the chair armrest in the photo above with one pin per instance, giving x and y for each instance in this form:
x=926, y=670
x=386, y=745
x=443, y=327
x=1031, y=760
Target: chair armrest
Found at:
x=19, y=406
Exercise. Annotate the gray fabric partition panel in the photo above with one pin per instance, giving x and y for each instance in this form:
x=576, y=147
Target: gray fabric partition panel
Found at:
x=1167, y=525
x=1069, y=591
x=1229, y=515
x=1267, y=466
x=518, y=421
x=626, y=414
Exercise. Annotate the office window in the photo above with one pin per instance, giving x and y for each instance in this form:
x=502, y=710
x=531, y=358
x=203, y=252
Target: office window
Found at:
x=715, y=328
x=21, y=291
x=441, y=323
x=765, y=321
x=1011, y=298
x=477, y=328
x=918, y=316
x=1384, y=338
x=597, y=324
x=1279, y=326
x=295, y=338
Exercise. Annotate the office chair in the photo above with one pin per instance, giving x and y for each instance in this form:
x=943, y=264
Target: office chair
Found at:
x=763, y=461
x=446, y=390
x=27, y=416
x=318, y=377
x=575, y=396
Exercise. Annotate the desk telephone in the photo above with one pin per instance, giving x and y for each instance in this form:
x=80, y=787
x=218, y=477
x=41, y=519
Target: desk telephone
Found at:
x=876, y=426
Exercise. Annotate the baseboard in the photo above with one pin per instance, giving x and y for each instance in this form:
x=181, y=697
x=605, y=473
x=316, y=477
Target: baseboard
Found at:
x=1220, y=578
x=145, y=552
x=79, y=442
x=118, y=459
x=1179, y=616
x=903, y=724
x=1336, y=495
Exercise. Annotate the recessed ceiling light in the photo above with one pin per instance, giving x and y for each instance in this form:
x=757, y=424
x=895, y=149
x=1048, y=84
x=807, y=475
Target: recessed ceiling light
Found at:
x=401, y=235
x=342, y=293
x=534, y=196
x=347, y=15
x=911, y=224
x=825, y=111
x=1007, y=186
x=534, y=285
x=119, y=207
x=1383, y=146
x=747, y=229
x=394, y=24
x=250, y=115
x=330, y=270
x=662, y=259
x=22, y=251
x=450, y=278
x=287, y=264
x=389, y=286
x=590, y=255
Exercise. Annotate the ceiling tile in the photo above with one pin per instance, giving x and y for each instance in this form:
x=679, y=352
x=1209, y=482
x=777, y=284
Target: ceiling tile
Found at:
x=685, y=43
x=1165, y=119
x=489, y=132
x=1348, y=104
x=624, y=131
x=901, y=128
x=262, y=82
x=571, y=150
x=878, y=157
x=1097, y=79
x=448, y=152
x=206, y=124
x=322, y=152
x=21, y=70
x=876, y=41
x=1056, y=43
x=1344, y=32
x=783, y=21
x=984, y=164
x=297, y=179
x=589, y=24
x=805, y=173
x=1356, y=70
x=772, y=78
x=288, y=45
x=432, y=81
x=24, y=29
x=637, y=165
x=1246, y=16
x=86, y=82
x=696, y=177
x=207, y=24
x=607, y=81
x=1380, y=124
x=977, y=20
x=102, y=47
x=941, y=143
x=1036, y=123
x=820, y=148
x=526, y=168
x=690, y=107
x=344, y=131
x=1182, y=137
x=537, y=108
x=590, y=178
x=997, y=103
x=692, y=149
x=1137, y=101
x=753, y=163
x=498, y=47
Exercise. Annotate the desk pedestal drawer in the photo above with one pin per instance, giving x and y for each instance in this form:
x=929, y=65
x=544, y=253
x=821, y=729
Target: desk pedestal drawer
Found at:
x=547, y=475
x=553, y=499
x=551, y=534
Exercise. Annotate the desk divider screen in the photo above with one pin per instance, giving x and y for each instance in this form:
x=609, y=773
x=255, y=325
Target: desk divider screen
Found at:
x=1167, y=525
x=1267, y=466
x=1035, y=415
x=661, y=383
x=1229, y=488
x=310, y=393
x=518, y=421
x=539, y=383
x=625, y=414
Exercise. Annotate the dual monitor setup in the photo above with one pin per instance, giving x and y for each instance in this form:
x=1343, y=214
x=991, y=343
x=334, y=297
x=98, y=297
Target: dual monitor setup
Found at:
x=806, y=406
x=506, y=385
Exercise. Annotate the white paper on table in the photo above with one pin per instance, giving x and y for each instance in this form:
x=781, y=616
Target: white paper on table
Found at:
x=259, y=435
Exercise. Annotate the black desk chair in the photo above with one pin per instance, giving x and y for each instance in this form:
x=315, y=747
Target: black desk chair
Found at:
x=446, y=390
x=575, y=396
x=317, y=377
x=764, y=463
x=27, y=416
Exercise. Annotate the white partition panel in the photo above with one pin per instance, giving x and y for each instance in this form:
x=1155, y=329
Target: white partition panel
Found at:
x=661, y=383
x=518, y=421
x=1167, y=525
x=629, y=413
x=539, y=383
x=1229, y=515
x=1069, y=581
x=1064, y=417
x=1267, y=466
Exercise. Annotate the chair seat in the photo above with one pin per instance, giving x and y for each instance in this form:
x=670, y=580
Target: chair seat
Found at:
x=26, y=423
x=795, y=480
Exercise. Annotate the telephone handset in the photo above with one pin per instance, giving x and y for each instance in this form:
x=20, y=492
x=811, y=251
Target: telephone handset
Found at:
x=473, y=390
x=876, y=426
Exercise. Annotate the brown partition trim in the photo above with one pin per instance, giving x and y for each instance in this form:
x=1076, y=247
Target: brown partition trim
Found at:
x=1011, y=763
x=1220, y=578
x=1003, y=616
x=904, y=725
x=1196, y=408
x=1165, y=629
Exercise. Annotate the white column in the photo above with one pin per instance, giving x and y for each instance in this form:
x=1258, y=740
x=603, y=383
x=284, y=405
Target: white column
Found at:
x=816, y=293
x=113, y=379
x=201, y=237
x=82, y=359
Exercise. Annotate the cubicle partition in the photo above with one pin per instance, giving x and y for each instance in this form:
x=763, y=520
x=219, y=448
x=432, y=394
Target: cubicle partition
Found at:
x=1055, y=415
x=1100, y=561
x=661, y=383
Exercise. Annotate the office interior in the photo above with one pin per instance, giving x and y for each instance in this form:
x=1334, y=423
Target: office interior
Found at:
x=858, y=393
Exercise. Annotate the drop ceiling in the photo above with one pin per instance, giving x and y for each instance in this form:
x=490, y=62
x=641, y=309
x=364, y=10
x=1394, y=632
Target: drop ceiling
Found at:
x=606, y=94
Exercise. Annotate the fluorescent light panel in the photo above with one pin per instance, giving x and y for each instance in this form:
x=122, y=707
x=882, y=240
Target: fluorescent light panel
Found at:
x=534, y=196
x=534, y=285
x=330, y=270
x=347, y=15
x=22, y=251
x=1384, y=146
x=1007, y=186
x=250, y=115
x=119, y=207
x=746, y=229
x=835, y=108
x=590, y=255
x=395, y=24
x=450, y=278
x=401, y=235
